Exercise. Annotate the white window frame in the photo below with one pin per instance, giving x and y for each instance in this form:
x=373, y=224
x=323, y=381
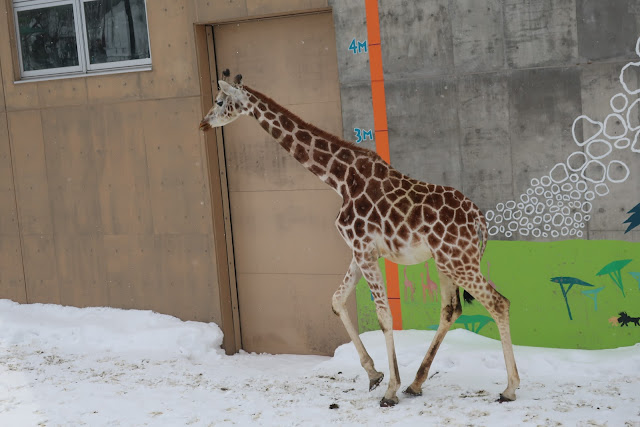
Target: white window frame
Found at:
x=84, y=66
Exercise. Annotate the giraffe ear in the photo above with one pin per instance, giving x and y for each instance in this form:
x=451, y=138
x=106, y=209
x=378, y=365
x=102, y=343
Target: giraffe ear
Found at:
x=228, y=89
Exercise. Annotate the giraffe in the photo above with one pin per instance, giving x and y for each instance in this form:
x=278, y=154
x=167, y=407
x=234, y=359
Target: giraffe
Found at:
x=430, y=285
x=384, y=214
x=409, y=288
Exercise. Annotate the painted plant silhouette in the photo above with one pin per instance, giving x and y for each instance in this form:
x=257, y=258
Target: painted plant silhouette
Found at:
x=473, y=322
x=593, y=294
x=613, y=269
x=568, y=281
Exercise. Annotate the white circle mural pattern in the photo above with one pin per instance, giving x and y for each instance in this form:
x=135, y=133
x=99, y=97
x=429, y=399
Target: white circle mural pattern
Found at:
x=559, y=204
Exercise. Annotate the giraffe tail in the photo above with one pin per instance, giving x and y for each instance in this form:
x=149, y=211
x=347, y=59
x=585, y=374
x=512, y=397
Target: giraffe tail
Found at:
x=483, y=236
x=483, y=233
x=467, y=297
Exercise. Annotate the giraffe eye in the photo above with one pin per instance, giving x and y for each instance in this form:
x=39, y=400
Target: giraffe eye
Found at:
x=220, y=103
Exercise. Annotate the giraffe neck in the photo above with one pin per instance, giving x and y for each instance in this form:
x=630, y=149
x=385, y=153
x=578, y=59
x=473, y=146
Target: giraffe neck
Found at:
x=325, y=155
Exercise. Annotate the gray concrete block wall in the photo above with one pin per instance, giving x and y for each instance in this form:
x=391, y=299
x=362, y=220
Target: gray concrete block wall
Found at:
x=482, y=94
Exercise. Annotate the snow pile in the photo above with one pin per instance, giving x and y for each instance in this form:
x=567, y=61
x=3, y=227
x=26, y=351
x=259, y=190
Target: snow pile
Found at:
x=99, y=329
x=98, y=366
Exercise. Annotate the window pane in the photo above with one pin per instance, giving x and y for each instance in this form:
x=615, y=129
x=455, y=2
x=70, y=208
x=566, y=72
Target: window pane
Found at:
x=48, y=38
x=116, y=30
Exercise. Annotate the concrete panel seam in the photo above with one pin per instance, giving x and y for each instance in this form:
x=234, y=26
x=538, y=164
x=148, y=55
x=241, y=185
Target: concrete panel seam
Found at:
x=15, y=201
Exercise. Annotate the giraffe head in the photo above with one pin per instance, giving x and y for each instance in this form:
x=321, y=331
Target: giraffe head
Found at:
x=231, y=102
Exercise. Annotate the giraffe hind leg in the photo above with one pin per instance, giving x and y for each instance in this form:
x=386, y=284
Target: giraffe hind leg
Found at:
x=449, y=313
x=498, y=307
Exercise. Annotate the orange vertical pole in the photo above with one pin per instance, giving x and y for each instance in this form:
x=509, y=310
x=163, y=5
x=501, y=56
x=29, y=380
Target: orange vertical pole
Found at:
x=382, y=137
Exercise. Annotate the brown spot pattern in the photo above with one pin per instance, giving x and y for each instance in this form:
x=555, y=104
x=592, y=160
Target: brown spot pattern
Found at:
x=375, y=216
x=434, y=200
x=451, y=200
x=321, y=157
x=446, y=214
x=404, y=204
x=403, y=232
x=286, y=142
x=287, y=124
x=380, y=170
x=322, y=144
x=317, y=170
x=355, y=183
x=384, y=206
x=347, y=215
x=433, y=240
x=387, y=187
x=395, y=217
x=460, y=217
x=363, y=206
x=363, y=164
x=415, y=217
x=374, y=190
x=430, y=215
x=416, y=197
x=359, y=227
x=338, y=169
x=438, y=228
x=303, y=136
x=300, y=154
x=345, y=155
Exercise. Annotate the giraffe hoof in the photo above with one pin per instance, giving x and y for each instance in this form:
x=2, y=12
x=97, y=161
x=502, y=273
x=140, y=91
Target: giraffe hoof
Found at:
x=386, y=403
x=375, y=382
x=409, y=391
x=504, y=398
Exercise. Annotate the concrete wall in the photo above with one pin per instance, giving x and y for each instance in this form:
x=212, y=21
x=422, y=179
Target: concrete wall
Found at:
x=482, y=95
x=105, y=196
x=104, y=191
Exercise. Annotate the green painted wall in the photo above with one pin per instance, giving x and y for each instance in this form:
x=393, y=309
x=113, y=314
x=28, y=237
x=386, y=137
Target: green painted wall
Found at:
x=522, y=271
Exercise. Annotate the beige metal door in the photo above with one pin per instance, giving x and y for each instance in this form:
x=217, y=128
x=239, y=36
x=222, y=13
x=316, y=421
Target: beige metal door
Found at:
x=289, y=258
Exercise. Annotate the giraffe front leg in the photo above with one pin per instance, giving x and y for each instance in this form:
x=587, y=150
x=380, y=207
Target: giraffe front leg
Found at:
x=340, y=309
x=369, y=266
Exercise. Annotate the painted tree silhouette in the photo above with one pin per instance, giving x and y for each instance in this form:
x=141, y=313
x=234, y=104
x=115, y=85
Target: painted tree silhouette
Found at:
x=473, y=322
x=593, y=294
x=613, y=269
x=568, y=281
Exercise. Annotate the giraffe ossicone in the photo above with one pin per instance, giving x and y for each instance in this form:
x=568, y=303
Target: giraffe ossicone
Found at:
x=384, y=214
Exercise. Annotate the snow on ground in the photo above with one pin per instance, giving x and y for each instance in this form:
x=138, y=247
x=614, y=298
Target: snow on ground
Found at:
x=99, y=366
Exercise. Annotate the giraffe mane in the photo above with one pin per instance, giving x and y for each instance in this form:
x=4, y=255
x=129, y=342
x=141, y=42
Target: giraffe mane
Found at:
x=312, y=128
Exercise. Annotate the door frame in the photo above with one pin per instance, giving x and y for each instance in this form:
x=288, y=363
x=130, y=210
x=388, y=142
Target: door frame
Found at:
x=216, y=166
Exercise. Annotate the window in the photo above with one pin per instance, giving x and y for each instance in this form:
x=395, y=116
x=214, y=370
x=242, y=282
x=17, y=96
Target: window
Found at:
x=71, y=37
